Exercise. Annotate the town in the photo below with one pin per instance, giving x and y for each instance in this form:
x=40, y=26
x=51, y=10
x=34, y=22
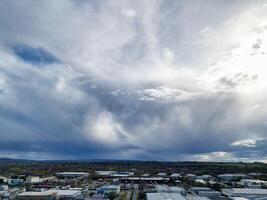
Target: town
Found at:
x=133, y=181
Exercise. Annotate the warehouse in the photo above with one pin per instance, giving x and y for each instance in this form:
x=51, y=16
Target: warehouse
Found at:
x=46, y=195
x=246, y=192
x=164, y=196
x=71, y=174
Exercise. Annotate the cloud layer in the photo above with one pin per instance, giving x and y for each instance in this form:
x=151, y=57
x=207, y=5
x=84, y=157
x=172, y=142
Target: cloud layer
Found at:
x=152, y=80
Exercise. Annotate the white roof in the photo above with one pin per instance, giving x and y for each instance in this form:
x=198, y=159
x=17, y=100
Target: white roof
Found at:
x=72, y=173
x=164, y=196
x=175, y=175
x=253, y=181
x=231, y=175
x=240, y=191
x=111, y=187
x=165, y=188
x=43, y=193
x=71, y=193
x=196, y=197
x=239, y=198
x=105, y=173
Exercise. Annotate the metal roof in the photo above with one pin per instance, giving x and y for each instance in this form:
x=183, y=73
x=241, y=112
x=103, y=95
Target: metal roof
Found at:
x=236, y=191
x=164, y=196
x=44, y=193
x=196, y=197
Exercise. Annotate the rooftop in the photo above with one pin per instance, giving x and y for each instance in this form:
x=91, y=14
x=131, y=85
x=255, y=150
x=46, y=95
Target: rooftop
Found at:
x=43, y=193
x=164, y=196
x=196, y=197
x=236, y=191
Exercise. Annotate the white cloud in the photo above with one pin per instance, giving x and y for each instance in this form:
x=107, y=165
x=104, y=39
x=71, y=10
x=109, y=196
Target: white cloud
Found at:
x=136, y=76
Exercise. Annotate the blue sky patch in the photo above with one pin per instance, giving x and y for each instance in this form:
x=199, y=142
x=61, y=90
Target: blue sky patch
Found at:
x=34, y=55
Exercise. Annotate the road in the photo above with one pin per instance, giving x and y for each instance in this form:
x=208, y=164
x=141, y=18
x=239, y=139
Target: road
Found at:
x=129, y=194
x=135, y=195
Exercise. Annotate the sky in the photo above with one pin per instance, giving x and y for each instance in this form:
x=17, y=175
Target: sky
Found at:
x=141, y=79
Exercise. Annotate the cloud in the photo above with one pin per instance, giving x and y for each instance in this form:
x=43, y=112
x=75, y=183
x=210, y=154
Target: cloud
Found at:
x=133, y=79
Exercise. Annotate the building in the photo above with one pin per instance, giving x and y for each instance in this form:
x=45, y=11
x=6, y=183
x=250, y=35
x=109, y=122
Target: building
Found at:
x=191, y=176
x=246, y=192
x=3, y=179
x=195, y=197
x=253, y=183
x=164, y=196
x=205, y=177
x=123, y=174
x=172, y=189
x=46, y=195
x=71, y=174
x=231, y=177
x=162, y=174
x=109, y=188
x=105, y=173
x=198, y=189
x=4, y=187
x=143, y=179
x=200, y=181
x=15, y=181
x=4, y=195
x=176, y=176
x=67, y=194
x=33, y=179
x=209, y=193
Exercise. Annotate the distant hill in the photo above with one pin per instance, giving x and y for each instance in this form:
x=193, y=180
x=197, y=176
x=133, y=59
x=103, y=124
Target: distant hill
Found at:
x=15, y=161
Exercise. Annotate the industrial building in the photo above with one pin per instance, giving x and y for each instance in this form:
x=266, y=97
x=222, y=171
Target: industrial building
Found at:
x=46, y=195
x=198, y=189
x=105, y=173
x=249, y=193
x=123, y=174
x=164, y=196
x=67, y=194
x=195, y=197
x=171, y=189
x=144, y=179
x=253, y=183
x=109, y=188
x=71, y=174
x=231, y=177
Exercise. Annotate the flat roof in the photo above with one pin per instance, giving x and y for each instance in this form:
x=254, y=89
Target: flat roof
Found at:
x=164, y=196
x=110, y=187
x=43, y=193
x=236, y=191
x=166, y=188
x=72, y=173
x=67, y=192
x=196, y=197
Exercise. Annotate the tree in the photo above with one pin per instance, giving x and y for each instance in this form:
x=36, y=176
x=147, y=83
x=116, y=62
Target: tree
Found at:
x=111, y=195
